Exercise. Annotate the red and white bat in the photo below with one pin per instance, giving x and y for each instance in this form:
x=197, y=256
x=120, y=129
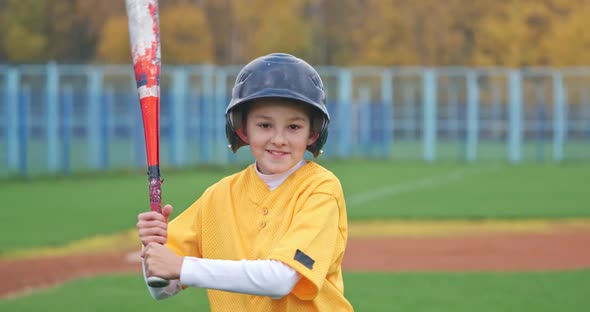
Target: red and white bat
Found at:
x=144, y=35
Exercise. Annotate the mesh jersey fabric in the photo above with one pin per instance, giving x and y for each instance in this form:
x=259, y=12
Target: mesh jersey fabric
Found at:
x=302, y=223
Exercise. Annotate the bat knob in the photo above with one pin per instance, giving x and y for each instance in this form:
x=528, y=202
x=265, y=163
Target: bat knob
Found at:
x=157, y=282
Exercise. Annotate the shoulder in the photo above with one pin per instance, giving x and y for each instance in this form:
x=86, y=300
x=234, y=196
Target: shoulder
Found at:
x=319, y=178
x=229, y=181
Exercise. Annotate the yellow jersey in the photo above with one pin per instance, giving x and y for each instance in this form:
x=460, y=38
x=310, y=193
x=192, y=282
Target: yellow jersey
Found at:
x=301, y=223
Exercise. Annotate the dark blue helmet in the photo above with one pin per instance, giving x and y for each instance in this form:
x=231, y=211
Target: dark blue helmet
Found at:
x=278, y=75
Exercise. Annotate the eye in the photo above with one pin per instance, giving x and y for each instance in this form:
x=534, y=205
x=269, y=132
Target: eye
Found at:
x=294, y=127
x=264, y=125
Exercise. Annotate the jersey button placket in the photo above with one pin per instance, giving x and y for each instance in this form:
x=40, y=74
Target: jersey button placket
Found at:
x=264, y=212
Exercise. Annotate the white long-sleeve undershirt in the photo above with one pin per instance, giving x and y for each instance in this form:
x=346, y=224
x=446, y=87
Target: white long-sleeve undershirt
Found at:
x=270, y=278
x=255, y=277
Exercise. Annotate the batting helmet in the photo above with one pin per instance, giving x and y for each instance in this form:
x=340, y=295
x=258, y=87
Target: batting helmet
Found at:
x=278, y=75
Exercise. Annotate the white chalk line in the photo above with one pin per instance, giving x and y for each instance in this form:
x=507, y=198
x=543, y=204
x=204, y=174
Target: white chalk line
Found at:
x=411, y=186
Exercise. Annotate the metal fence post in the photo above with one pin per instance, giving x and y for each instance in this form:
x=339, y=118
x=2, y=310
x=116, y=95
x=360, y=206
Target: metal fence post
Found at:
x=93, y=97
x=66, y=125
x=365, y=122
x=106, y=123
x=178, y=148
x=221, y=150
x=23, y=130
x=515, y=116
x=559, y=102
x=12, y=120
x=472, y=116
x=387, y=112
x=52, y=117
x=206, y=116
x=429, y=115
x=344, y=117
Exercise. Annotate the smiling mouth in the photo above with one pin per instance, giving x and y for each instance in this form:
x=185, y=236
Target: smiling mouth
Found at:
x=277, y=153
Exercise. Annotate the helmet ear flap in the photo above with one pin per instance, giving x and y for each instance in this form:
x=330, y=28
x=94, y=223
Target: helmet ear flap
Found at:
x=319, y=125
x=233, y=122
x=235, y=119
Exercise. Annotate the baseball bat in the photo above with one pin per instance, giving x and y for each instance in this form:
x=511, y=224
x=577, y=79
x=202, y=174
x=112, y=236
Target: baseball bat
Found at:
x=144, y=36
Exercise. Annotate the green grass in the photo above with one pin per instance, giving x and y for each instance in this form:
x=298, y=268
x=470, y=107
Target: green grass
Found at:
x=51, y=211
x=382, y=189
x=465, y=292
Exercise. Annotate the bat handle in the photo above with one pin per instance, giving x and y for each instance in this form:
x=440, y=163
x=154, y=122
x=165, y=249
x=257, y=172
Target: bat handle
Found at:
x=155, y=185
x=157, y=282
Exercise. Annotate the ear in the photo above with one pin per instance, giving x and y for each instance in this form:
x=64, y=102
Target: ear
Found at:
x=242, y=134
x=313, y=136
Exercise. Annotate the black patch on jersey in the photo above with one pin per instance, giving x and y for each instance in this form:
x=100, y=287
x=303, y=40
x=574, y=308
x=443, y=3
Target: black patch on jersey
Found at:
x=304, y=259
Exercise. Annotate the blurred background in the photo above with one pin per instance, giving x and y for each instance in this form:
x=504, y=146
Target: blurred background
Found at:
x=427, y=80
x=442, y=111
x=324, y=32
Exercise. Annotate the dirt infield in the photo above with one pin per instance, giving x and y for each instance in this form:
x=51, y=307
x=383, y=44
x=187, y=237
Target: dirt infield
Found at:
x=563, y=249
x=555, y=248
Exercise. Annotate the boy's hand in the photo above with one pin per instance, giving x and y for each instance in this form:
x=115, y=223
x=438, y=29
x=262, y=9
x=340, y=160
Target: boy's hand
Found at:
x=161, y=261
x=153, y=227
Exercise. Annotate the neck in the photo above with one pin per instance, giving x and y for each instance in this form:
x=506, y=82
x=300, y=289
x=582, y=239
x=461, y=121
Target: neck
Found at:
x=275, y=180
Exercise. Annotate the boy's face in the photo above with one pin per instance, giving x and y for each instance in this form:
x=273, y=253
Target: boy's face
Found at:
x=278, y=132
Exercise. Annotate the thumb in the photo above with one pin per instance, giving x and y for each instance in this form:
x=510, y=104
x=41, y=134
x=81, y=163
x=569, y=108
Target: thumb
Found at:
x=167, y=211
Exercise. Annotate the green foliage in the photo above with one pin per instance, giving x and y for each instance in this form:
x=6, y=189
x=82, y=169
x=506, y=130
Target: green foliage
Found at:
x=271, y=26
x=327, y=32
x=456, y=292
x=184, y=37
x=113, y=46
x=22, y=35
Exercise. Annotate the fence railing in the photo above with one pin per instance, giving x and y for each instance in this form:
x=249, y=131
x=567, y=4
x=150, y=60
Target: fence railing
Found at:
x=64, y=118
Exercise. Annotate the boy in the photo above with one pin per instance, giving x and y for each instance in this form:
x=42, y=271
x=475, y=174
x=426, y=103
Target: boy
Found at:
x=271, y=237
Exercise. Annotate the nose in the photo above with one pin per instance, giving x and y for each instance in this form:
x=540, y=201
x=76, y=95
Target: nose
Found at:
x=278, y=138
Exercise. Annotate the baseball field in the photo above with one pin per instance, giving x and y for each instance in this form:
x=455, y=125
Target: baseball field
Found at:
x=438, y=237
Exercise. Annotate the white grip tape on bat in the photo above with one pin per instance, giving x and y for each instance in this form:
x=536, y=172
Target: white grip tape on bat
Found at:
x=146, y=92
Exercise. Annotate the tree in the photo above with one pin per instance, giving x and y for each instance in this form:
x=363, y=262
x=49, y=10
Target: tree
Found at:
x=184, y=37
x=113, y=46
x=75, y=27
x=22, y=35
x=515, y=32
x=327, y=32
x=568, y=44
x=270, y=26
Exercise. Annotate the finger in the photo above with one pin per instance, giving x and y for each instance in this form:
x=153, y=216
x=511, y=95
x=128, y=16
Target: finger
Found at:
x=150, y=215
x=167, y=211
x=152, y=231
x=143, y=224
x=154, y=239
x=146, y=239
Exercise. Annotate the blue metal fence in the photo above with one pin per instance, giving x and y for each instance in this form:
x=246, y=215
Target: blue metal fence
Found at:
x=68, y=118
